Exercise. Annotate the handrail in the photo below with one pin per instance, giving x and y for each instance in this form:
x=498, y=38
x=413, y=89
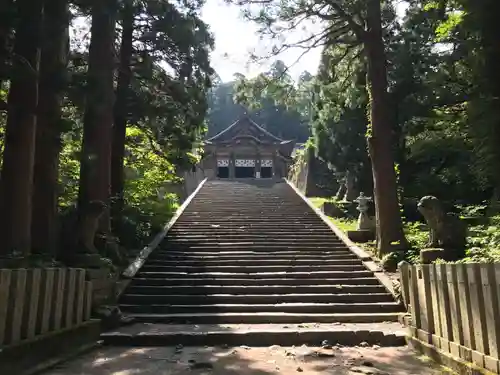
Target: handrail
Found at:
x=144, y=254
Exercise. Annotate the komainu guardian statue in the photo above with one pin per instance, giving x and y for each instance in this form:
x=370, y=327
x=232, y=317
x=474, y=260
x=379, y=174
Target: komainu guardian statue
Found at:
x=447, y=233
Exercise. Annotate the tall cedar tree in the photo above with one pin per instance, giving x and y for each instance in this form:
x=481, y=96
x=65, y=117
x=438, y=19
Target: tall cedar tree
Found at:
x=6, y=20
x=380, y=141
x=121, y=113
x=19, y=152
x=55, y=50
x=95, y=163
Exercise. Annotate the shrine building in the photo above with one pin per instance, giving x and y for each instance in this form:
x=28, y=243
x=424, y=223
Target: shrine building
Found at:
x=246, y=150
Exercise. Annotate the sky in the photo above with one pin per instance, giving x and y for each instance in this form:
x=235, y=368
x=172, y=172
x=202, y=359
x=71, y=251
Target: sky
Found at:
x=235, y=38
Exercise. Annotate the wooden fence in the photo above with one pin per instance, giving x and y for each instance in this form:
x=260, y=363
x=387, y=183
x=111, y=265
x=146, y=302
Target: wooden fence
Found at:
x=456, y=308
x=38, y=301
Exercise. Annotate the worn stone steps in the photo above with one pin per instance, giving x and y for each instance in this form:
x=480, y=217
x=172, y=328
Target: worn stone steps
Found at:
x=223, y=258
x=254, y=247
x=243, y=282
x=261, y=335
x=257, y=275
x=297, y=237
x=268, y=317
x=252, y=299
x=184, y=290
x=253, y=253
x=154, y=267
x=207, y=264
x=297, y=307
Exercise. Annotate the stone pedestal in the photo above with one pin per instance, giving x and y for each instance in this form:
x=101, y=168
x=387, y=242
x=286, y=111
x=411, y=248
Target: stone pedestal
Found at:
x=430, y=255
x=361, y=236
x=365, y=222
x=332, y=210
x=104, y=286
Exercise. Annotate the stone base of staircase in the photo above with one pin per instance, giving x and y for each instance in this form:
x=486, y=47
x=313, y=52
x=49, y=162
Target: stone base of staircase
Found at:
x=257, y=335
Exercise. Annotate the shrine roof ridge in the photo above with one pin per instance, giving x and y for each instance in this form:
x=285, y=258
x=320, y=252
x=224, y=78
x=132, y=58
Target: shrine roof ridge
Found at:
x=251, y=122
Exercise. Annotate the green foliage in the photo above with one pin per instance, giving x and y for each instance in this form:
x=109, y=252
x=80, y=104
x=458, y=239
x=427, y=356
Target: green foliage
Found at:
x=271, y=99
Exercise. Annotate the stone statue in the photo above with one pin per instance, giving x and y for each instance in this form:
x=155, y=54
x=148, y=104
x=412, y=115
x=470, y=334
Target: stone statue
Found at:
x=365, y=222
x=447, y=233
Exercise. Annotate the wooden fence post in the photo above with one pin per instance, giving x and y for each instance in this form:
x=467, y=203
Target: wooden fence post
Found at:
x=17, y=301
x=426, y=299
x=492, y=314
x=32, y=298
x=58, y=299
x=435, y=305
x=46, y=299
x=5, y=284
x=444, y=307
x=467, y=319
x=455, y=308
x=80, y=295
x=404, y=282
x=478, y=314
x=414, y=301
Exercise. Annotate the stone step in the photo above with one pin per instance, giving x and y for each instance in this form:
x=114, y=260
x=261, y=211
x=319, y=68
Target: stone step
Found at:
x=236, y=289
x=155, y=279
x=248, y=231
x=214, y=220
x=260, y=247
x=262, y=335
x=384, y=307
x=262, y=257
x=295, y=254
x=264, y=268
x=254, y=237
x=249, y=240
x=261, y=275
x=266, y=318
x=250, y=299
x=209, y=264
x=257, y=226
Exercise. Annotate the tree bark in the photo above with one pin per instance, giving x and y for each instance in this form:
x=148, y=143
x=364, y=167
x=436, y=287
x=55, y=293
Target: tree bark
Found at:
x=19, y=152
x=95, y=169
x=48, y=133
x=6, y=18
x=121, y=115
x=390, y=233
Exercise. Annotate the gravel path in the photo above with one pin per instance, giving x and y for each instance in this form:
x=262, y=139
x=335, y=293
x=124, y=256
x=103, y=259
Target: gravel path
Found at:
x=248, y=361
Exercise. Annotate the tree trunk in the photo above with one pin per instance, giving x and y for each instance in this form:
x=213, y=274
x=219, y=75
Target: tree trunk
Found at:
x=121, y=115
x=95, y=169
x=48, y=133
x=390, y=233
x=19, y=152
x=6, y=20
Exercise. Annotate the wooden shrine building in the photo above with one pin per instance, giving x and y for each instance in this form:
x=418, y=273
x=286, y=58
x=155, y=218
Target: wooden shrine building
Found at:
x=246, y=150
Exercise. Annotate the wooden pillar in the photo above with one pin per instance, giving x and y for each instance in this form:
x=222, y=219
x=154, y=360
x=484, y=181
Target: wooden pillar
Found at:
x=231, y=165
x=258, y=165
x=276, y=172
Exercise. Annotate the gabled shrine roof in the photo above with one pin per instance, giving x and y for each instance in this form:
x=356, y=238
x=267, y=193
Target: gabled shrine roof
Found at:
x=246, y=127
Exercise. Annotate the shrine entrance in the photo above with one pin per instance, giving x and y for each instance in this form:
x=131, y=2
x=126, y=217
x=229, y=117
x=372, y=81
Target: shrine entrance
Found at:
x=266, y=169
x=244, y=168
x=223, y=168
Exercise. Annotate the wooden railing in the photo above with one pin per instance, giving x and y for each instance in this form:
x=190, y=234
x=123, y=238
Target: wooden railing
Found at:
x=456, y=308
x=38, y=301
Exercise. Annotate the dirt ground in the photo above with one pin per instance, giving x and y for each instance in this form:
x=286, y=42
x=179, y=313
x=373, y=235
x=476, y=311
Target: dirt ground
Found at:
x=248, y=361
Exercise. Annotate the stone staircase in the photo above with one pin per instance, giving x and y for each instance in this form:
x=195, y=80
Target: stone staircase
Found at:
x=252, y=257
